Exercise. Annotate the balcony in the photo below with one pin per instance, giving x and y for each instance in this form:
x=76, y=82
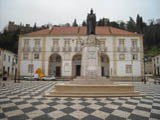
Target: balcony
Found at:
x=26, y=49
x=103, y=49
x=36, y=49
x=134, y=49
x=121, y=49
x=55, y=49
x=78, y=49
x=67, y=49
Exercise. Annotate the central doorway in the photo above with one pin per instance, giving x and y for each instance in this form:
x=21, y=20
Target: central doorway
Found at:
x=102, y=69
x=76, y=65
x=78, y=70
x=58, y=71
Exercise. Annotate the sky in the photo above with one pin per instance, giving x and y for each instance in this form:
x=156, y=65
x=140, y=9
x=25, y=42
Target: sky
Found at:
x=65, y=11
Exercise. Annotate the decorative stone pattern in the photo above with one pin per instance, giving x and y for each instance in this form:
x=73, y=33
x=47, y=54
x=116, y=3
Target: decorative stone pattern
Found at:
x=25, y=100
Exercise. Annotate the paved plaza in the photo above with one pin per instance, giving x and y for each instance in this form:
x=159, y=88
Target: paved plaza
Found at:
x=26, y=100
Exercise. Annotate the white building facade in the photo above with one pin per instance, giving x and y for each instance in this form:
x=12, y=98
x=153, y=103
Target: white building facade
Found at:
x=58, y=51
x=156, y=65
x=8, y=62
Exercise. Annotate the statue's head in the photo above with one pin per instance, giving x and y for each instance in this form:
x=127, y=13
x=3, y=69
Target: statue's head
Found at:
x=91, y=11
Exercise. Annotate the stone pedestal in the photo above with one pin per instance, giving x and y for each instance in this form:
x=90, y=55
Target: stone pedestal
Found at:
x=91, y=67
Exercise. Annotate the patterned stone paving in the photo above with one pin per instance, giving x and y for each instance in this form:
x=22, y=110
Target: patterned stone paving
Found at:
x=26, y=100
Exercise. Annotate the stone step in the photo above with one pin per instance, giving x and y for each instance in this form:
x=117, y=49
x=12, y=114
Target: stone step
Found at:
x=132, y=94
x=78, y=90
x=93, y=88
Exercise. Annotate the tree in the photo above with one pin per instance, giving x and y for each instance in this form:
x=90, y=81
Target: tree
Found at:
x=122, y=25
x=84, y=23
x=75, y=23
x=34, y=27
x=114, y=24
x=131, y=25
x=140, y=24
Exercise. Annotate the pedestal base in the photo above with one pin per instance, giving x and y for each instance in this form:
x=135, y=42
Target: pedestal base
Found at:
x=93, y=88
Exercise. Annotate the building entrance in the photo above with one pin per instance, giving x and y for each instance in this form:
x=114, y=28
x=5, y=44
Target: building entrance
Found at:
x=76, y=65
x=55, y=65
x=78, y=70
x=58, y=71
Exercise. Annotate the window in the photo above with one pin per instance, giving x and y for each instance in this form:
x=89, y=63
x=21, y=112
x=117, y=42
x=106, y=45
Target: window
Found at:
x=134, y=43
x=121, y=42
x=25, y=56
x=128, y=68
x=67, y=43
x=26, y=43
x=55, y=42
x=30, y=68
x=58, y=59
x=78, y=43
x=157, y=60
x=36, y=56
x=121, y=57
x=37, y=42
x=4, y=58
x=134, y=57
x=9, y=58
x=13, y=61
x=102, y=43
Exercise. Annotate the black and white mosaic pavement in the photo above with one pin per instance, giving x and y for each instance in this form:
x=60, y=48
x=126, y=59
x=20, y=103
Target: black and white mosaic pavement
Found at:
x=26, y=100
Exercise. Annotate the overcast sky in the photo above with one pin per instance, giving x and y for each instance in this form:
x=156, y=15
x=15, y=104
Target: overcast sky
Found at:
x=65, y=11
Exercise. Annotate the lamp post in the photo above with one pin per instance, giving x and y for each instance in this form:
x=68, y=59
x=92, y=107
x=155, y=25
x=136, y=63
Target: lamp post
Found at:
x=132, y=66
x=144, y=60
x=31, y=63
x=15, y=69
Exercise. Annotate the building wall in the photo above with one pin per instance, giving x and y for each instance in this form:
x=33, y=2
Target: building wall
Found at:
x=7, y=62
x=117, y=68
x=156, y=65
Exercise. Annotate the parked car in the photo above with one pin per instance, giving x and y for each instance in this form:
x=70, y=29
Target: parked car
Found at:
x=32, y=77
x=51, y=77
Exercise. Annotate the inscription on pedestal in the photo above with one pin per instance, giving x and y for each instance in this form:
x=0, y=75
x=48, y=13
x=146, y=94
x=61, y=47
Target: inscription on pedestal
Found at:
x=91, y=53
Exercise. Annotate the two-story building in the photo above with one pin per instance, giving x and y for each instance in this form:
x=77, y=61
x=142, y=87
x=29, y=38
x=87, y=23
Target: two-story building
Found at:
x=58, y=51
x=8, y=62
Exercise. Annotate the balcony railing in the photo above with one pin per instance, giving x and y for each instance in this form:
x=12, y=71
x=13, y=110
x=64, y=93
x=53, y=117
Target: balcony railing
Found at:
x=67, y=49
x=103, y=49
x=26, y=49
x=78, y=49
x=37, y=49
x=55, y=49
x=121, y=49
x=134, y=49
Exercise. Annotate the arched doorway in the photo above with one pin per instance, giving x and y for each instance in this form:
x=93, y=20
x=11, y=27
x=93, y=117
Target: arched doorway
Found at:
x=76, y=65
x=55, y=63
x=104, y=65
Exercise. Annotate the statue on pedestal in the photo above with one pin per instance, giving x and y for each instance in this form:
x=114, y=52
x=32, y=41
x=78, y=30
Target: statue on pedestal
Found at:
x=91, y=23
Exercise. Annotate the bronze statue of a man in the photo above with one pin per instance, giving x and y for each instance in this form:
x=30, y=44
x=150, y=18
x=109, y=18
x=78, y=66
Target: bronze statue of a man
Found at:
x=91, y=23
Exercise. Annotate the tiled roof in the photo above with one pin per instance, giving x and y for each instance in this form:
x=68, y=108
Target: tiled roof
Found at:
x=81, y=31
x=40, y=32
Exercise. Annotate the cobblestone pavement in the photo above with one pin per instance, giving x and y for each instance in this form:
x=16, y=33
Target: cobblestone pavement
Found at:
x=26, y=100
